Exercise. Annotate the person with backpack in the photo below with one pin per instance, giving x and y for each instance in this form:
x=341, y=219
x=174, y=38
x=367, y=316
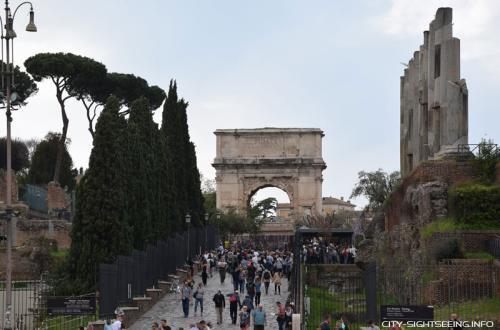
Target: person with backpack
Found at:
x=280, y=315
x=198, y=298
x=222, y=265
x=234, y=305
x=251, y=290
x=244, y=318
x=277, y=283
x=258, y=286
x=248, y=302
x=220, y=304
x=266, y=275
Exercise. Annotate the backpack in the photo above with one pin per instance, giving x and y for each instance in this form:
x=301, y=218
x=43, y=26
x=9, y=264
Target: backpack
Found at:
x=267, y=275
x=233, y=298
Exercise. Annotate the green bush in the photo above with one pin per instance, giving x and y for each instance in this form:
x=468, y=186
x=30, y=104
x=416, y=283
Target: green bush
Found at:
x=448, y=249
x=476, y=205
x=438, y=226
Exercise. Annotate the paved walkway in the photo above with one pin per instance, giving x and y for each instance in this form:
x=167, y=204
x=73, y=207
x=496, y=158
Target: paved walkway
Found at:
x=170, y=307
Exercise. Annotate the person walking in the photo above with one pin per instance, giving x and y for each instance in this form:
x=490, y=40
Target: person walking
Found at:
x=220, y=304
x=204, y=276
x=266, y=275
x=244, y=318
x=259, y=318
x=234, y=305
x=186, y=296
x=277, y=283
x=242, y=279
x=280, y=315
x=222, y=264
x=198, y=298
x=258, y=285
x=248, y=302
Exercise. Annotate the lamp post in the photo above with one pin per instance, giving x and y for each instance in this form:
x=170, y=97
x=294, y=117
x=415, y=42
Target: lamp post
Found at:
x=218, y=223
x=188, y=222
x=207, y=216
x=8, y=98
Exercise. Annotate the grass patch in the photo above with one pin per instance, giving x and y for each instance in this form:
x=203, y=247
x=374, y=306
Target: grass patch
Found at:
x=483, y=309
x=68, y=322
x=479, y=255
x=61, y=253
x=336, y=304
x=441, y=225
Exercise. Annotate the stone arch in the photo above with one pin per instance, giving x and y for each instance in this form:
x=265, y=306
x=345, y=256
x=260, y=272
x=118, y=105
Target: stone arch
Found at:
x=250, y=159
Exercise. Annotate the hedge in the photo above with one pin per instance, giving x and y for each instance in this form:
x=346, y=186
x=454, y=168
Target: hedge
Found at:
x=476, y=205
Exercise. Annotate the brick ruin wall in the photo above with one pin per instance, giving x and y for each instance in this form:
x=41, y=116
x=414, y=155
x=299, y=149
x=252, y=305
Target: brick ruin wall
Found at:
x=58, y=230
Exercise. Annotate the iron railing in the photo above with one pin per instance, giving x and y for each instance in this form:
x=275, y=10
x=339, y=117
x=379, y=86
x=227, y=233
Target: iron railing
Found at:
x=130, y=276
x=494, y=247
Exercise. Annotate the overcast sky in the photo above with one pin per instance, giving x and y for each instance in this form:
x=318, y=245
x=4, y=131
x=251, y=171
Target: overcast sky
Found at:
x=334, y=65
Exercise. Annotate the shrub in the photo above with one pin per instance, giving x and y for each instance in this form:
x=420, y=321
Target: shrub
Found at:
x=476, y=205
x=448, y=249
x=438, y=226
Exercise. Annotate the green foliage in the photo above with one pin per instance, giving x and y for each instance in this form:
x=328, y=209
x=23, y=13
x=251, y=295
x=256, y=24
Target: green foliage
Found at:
x=438, y=226
x=476, y=205
x=69, y=73
x=43, y=163
x=184, y=177
x=479, y=255
x=20, y=155
x=140, y=170
x=23, y=86
x=210, y=203
x=486, y=160
x=263, y=209
x=448, y=249
x=100, y=229
x=376, y=186
x=232, y=223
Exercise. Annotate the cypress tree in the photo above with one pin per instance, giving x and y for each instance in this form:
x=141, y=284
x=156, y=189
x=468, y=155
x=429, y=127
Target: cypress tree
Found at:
x=181, y=155
x=100, y=230
x=140, y=173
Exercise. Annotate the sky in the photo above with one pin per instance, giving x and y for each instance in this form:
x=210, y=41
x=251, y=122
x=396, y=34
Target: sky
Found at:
x=333, y=65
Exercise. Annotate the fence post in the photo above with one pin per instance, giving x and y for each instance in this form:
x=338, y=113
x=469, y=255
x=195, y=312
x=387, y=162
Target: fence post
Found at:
x=370, y=273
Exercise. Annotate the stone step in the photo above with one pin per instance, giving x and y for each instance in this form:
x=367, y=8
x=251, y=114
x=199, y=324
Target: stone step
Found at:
x=154, y=294
x=143, y=303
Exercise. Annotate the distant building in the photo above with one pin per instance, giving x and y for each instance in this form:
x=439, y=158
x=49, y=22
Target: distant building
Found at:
x=332, y=204
x=284, y=211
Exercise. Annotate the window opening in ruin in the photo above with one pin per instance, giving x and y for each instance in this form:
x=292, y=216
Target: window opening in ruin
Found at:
x=437, y=61
x=410, y=162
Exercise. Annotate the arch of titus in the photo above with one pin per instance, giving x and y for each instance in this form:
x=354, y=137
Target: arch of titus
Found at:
x=287, y=158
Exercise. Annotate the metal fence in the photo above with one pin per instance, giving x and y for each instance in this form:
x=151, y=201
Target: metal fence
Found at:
x=26, y=300
x=130, y=276
x=494, y=247
x=471, y=292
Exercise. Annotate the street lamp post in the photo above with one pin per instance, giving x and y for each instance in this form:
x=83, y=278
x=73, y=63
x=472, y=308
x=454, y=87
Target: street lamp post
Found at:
x=188, y=222
x=207, y=216
x=219, y=225
x=10, y=96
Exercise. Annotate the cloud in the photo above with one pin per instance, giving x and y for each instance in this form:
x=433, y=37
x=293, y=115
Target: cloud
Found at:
x=476, y=23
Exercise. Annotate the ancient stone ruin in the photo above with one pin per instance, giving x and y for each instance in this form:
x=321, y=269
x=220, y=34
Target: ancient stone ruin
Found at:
x=434, y=114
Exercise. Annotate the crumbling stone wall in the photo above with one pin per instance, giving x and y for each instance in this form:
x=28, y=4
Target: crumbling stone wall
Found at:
x=58, y=230
x=434, y=99
x=57, y=198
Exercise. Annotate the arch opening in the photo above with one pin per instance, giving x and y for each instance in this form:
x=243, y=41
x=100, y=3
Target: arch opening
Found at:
x=269, y=203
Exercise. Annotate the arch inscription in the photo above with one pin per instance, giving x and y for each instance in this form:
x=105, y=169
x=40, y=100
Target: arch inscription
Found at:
x=287, y=158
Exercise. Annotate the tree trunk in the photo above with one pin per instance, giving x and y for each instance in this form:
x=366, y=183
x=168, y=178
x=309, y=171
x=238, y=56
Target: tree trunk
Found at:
x=62, y=141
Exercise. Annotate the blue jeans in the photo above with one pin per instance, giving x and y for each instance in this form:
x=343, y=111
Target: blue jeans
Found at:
x=185, y=306
x=200, y=302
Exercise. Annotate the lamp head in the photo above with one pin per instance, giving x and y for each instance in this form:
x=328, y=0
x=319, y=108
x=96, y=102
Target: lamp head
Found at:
x=188, y=218
x=31, y=27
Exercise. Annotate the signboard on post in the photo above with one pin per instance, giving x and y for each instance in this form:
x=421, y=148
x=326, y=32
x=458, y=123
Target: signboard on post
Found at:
x=406, y=313
x=71, y=305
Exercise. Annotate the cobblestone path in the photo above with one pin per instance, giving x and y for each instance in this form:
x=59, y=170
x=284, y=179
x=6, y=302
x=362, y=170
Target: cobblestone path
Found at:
x=170, y=307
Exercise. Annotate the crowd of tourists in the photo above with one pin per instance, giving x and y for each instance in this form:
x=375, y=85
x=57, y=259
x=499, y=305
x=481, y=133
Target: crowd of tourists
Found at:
x=251, y=274
x=319, y=250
